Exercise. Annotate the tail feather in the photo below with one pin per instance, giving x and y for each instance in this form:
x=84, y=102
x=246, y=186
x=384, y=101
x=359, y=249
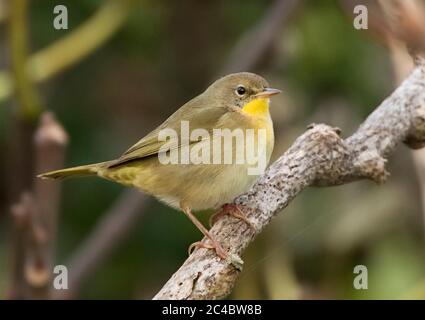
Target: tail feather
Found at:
x=80, y=171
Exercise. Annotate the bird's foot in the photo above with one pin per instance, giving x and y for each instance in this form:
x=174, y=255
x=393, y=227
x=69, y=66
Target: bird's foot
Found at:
x=233, y=210
x=214, y=246
x=234, y=259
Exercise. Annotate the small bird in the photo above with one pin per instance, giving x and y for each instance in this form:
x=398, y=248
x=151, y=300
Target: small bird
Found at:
x=236, y=101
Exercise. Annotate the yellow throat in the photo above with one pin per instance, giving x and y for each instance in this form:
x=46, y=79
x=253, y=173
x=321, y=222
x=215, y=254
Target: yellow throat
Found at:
x=258, y=107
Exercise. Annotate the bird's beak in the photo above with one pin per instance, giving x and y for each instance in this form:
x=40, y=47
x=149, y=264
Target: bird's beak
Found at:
x=268, y=92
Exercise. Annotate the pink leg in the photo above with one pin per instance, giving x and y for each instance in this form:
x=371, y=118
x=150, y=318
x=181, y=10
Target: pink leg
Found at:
x=214, y=243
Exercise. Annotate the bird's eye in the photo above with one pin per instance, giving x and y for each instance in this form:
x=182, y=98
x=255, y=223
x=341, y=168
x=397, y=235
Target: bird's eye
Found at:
x=240, y=90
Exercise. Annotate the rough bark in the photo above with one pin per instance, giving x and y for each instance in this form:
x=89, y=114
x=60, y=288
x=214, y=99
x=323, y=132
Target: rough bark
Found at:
x=319, y=157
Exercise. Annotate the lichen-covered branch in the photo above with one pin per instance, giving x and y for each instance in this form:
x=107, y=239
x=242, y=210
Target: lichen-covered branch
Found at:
x=319, y=157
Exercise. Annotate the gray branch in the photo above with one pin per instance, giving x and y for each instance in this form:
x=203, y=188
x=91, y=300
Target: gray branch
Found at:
x=319, y=157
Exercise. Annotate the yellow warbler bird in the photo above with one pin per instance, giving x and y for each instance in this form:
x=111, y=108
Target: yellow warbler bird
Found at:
x=183, y=164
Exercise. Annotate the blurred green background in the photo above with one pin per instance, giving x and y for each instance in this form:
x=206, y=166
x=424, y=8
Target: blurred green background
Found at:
x=167, y=52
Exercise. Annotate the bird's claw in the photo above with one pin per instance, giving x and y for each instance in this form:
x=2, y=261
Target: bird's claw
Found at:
x=234, y=211
x=231, y=258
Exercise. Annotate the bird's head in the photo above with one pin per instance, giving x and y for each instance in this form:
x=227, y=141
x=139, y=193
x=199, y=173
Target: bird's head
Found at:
x=243, y=90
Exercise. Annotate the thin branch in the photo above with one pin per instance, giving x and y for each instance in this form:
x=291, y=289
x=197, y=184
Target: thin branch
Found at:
x=255, y=42
x=22, y=211
x=73, y=47
x=50, y=142
x=17, y=287
x=18, y=39
x=84, y=40
x=319, y=157
x=35, y=218
x=115, y=225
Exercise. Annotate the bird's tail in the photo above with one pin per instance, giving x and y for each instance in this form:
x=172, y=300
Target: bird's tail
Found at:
x=80, y=171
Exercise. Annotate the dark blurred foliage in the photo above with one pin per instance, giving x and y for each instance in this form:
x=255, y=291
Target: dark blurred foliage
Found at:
x=166, y=53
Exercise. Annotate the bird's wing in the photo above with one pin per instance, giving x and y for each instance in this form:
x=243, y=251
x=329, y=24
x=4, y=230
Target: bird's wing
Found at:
x=205, y=117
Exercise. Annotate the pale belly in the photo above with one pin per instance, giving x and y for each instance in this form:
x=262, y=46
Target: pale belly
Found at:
x=210, y=190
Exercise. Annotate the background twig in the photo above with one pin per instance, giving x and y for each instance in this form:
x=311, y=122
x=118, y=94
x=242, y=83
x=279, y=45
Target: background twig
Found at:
x=72, y=48
x=252, y=46
x=114, y=226
x=35, y=218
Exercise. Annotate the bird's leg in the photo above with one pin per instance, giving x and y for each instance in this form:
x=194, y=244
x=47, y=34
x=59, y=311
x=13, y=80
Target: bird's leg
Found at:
x=214, y=243
x=233, y=210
